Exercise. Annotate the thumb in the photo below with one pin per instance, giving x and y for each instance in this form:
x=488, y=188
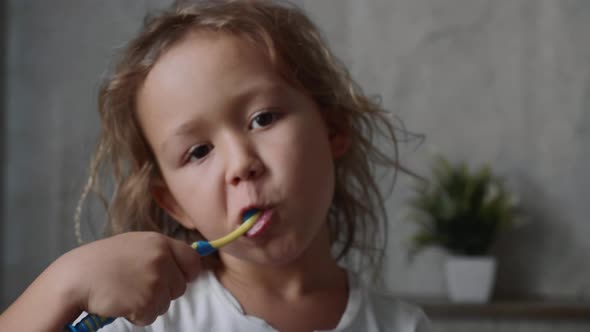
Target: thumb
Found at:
x=187, y=259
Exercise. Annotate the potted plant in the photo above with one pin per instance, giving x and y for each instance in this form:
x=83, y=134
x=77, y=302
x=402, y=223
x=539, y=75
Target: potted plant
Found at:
x=463, y=212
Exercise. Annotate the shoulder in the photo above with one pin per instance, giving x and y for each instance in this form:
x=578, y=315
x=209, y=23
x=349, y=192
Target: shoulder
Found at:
x=377, y=310
x=389, y=309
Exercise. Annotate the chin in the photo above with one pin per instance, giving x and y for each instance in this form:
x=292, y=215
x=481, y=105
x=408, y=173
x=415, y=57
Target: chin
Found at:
x=276, y=254
x=293, y=252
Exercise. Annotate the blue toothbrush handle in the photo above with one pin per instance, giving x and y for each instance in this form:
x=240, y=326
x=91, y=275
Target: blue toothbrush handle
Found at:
x=204, y=248
x=90, y=323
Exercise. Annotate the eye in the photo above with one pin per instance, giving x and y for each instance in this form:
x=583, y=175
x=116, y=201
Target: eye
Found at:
x=199, y=152
x=263, y=119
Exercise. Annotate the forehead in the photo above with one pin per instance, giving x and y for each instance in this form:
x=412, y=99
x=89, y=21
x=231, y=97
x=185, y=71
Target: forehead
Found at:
x=213, y=58
x=203, y=73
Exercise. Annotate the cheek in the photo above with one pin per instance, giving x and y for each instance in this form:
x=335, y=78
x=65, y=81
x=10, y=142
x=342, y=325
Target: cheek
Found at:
x=318, y=170
x=198, y=200
x=309, y=161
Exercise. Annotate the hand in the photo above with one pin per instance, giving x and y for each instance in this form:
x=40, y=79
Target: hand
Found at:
x=133, y=275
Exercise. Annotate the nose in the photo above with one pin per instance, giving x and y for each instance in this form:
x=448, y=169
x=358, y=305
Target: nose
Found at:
x=244, y=164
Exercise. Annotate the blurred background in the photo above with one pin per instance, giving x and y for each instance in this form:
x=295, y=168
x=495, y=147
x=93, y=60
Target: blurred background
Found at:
x=503, y=82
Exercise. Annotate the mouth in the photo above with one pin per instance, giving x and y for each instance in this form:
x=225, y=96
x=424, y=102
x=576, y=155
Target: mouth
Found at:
x=261, y=224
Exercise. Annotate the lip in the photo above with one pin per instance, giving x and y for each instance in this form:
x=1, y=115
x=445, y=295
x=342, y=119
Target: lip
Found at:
x=259, y=207
x=261, y=224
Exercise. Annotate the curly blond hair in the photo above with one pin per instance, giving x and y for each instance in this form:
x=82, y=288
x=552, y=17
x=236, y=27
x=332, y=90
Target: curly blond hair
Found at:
x=356, y=217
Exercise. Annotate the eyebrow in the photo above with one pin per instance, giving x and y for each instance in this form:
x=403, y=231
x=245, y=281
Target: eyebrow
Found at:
x=246, y=96
x=183, y=130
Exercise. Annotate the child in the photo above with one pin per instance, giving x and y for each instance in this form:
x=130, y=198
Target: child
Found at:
x=216, y=108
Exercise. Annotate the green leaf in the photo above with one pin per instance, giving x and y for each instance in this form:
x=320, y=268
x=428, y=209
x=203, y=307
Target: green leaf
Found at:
x=460, y=210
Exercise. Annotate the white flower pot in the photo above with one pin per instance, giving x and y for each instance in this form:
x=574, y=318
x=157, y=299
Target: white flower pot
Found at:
x=470, y=278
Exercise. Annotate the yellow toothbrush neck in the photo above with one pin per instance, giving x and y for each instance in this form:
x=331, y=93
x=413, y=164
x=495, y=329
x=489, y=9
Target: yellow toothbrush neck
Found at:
x=236, y=233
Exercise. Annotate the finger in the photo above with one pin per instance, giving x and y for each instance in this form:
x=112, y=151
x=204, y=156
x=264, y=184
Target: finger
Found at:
x=186, y=258
x=163, y=306
x=148, y=312
x=144, y=317
x=176, y=281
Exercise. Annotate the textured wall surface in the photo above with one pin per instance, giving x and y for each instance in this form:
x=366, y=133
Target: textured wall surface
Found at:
x=506, y=82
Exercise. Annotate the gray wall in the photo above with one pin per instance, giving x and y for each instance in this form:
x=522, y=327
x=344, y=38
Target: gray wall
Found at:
x=506, y=82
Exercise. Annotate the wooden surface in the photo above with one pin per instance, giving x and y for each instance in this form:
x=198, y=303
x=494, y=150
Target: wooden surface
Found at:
x=508, y=310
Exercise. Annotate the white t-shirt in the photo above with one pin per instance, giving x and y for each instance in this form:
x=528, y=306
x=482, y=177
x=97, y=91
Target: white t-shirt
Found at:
x=208, y=306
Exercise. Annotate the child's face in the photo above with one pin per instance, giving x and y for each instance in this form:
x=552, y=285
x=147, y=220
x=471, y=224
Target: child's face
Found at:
x=228, y=134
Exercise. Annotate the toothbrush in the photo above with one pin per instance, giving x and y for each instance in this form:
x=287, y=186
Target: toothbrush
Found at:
x=205, y=248
x=92, y=323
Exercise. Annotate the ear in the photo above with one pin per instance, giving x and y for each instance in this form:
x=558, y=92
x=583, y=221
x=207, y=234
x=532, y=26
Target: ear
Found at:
x=162, y=195
x=339, y=142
